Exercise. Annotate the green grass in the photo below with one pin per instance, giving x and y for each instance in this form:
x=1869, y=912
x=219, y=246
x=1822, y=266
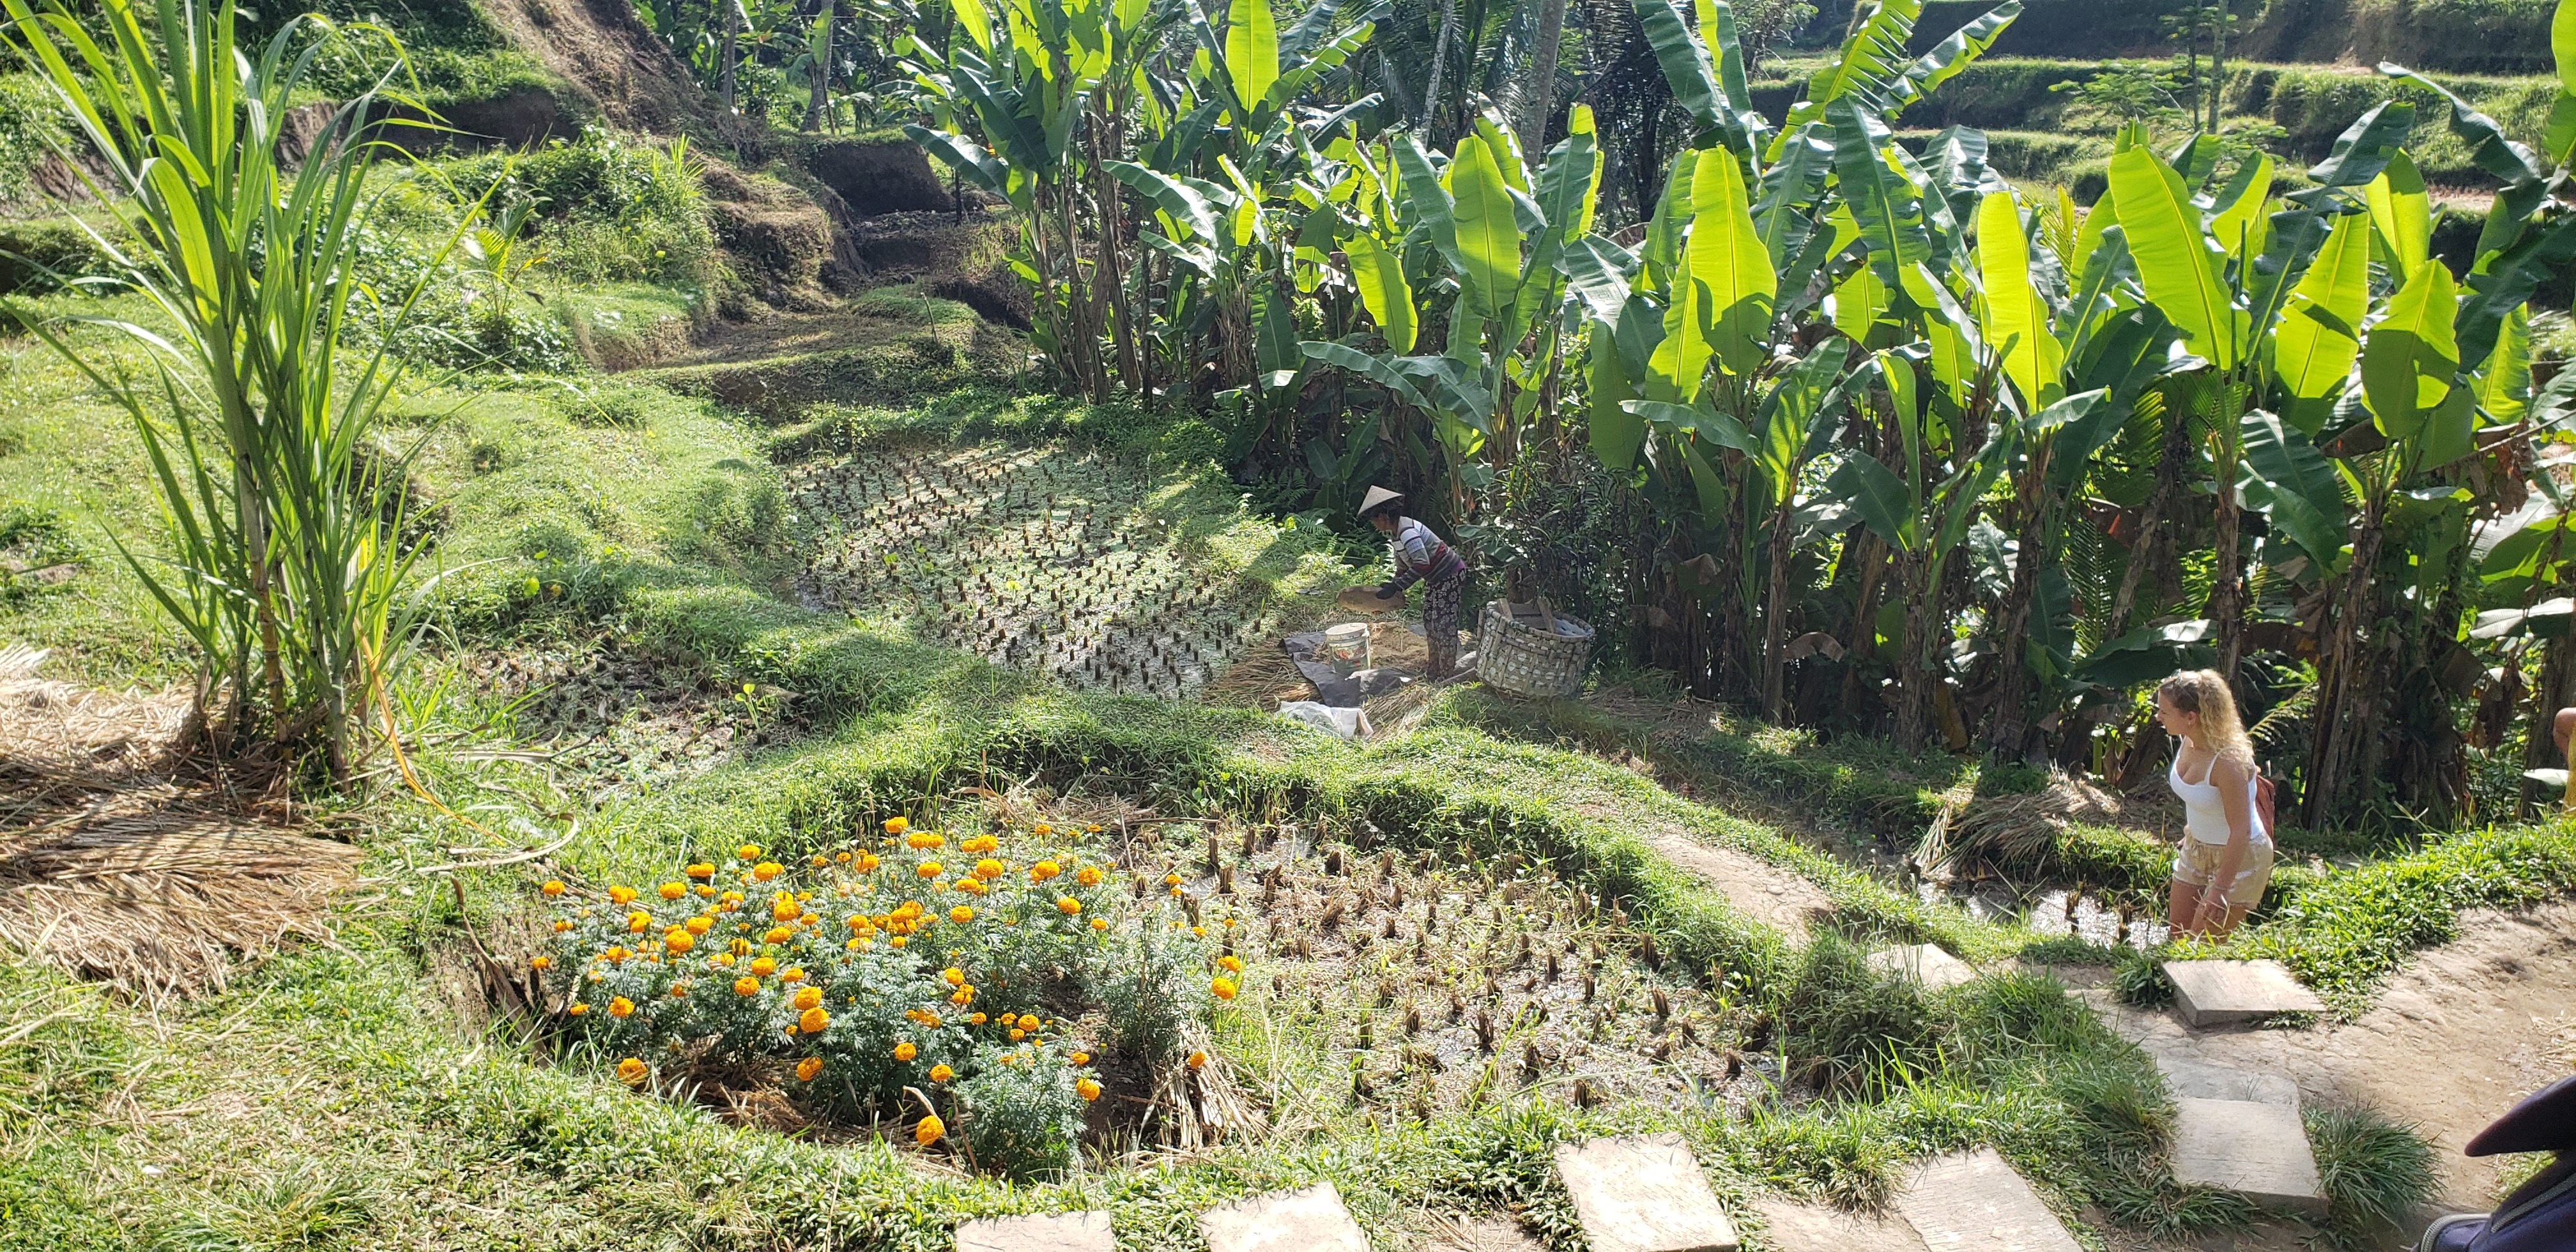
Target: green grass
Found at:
x=2376, y=1172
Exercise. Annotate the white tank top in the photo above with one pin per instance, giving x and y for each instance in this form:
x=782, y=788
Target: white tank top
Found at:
x=2204, y=813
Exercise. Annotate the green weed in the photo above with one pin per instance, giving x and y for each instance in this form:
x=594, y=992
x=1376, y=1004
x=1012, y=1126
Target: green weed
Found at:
x=2376, y=1172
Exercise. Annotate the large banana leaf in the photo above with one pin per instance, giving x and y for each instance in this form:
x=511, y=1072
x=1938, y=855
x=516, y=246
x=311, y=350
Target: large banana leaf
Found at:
x=2562, y=43
x=2408, y=361
x=1274, y=337
x=1872, y=65
x=2176, y=264
x=1685, y=63
x=1727, y=255
x=1489, y=235
x=2504, y=382
x=1797, y=419
x=2293, y=483
x=1964, y=45
x=2238, y=226
x=2016, y=315
x=1379, y=274
x=2402, y=212
x=1616, y=432
x=2506, y=280
x=1887, y=206
x=1429, y=199
x=1376, y=369
x=1187, y=205
x=2365, y=147
x=1599, y=270
x=2320, y=331
x=1796, y=175
x=963, y=155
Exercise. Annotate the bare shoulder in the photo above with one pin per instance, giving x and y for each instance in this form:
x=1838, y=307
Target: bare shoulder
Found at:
x=2228, y=770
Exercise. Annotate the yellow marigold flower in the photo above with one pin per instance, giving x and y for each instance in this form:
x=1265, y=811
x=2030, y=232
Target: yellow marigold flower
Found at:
x=793, y=973
x=678, y=940
x=1018, y=1034
x=1233, y=964
x=1171, y=880
x=808, y=918
x=844, y=858
x=561, y=925
x=553, y=887
x=616, y=954
x=673, y=890
x=962, y=997
x=1080, y=1058
x=1029, y=1021
x=704, y=890
x=1222, y=988
x=746, y=986
x=1200, y=931
x=941, y=1073
x=698, y=925
x=739, y=947
x=818, y=859
x=981, y=843
x=807, y=1068
x=784, y=909
x=764, y=966
x=621, y=895
x=1067, y=905
x=731, y=897
x=748, y=852
x=767, y=870
x=776, y=935
x=1093, y=828
x=679, y=990
x=1198, y=1060
x=971, y=886
x=542, y=962
x=1100, y=923
x=929, y=869
x=721, y=958
x=928, y=1130
x=896, y=825
x=1087, y=1089
x=620, y=1007
x=1088, y=875
x=977, y=1018
x=925, y=839
x=961, y=915
x=632, y=1070
x=698, y=869
x=897, y=941
x=904, y=1051
x=639, y=922
x=808, y=997
x=1044, y=870
x=859, y=945
x=813, y=1020
x=576, y=1008
x=867, y=861
x=989, y=869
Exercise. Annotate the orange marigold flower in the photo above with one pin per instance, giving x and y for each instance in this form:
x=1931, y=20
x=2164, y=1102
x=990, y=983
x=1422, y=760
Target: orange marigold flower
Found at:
x=897, y=941
x=785, y=908
x=576, y=1008
x=961, y=915
x=1100, y=923
x=561, y=925
x=1093, y=828
x=1067, y=905
x=678, y=940
x=698, y=925
x=767, y=870
x=1029, y=1021
x=748, y=852
x=941, y=1073
x=867, y=861
x=962, y=996
x=793, y=973
x=928, y=1130
x=1222, y=988
x=807, y=1068
x=639, y=922
x=633, y=1070
x=1171, y=880
x=1233, y=964
x=977, y=1018
x=614, y=955
x=818, y=859
x=739, y=947
x=929, y=869
x=620, y=1007
x=1044, y=870
x=808, y=997
x=542, y=962
x=776, y=935
x=1087, y=1089
x=553, y=887
x=746, y=985
x=925, y=839
x=1041, y=830
x=1080, y=1058
x=981, y=843
x=844, y=858
x=1198, y=1060
x=1088, y=875
x=764, y=966
x=953, y=976
x=1018, y=1034
x=904, y=1051
x=813, y=1020
x=699, y=869
x=896, y=825
x=679, y=990
x=673, y=890
x=621, y=895
x=989, y=869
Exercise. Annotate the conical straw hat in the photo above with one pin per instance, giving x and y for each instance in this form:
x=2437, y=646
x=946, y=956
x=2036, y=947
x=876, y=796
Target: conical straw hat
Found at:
x=1375, y=497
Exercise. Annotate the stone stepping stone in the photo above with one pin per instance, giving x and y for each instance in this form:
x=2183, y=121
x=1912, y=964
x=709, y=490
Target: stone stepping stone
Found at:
x=1795, y=1227
x=1050, y=1232
x=1311, y=1220
x=1975, y=1202
x=1926, y=963
x=2216, y=993
x=2248, y=1147
x=1643, y=1193
x=2195, y=1081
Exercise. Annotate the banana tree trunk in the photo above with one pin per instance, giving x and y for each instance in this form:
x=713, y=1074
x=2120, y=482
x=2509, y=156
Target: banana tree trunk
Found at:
x=1775, y=617
x=1914, y=663
x=2150, y=545
x=822, y=74
x=2341, y=673
x=1540, y=95
x=2011, y=733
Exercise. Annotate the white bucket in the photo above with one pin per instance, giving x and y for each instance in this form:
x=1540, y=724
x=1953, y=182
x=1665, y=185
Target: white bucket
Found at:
x=1346, y=647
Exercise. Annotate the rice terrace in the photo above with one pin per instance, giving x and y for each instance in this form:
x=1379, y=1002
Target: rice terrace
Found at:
x=1231, y=625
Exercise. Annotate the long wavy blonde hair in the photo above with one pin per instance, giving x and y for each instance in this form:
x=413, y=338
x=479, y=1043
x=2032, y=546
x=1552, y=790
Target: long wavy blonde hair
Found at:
x=2202, y=691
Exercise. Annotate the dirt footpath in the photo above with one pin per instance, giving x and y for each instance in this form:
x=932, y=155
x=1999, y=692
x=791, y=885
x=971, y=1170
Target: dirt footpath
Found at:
x=2456, y=1037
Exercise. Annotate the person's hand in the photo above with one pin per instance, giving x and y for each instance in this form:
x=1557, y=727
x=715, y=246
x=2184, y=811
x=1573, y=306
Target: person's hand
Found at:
x=1388, y=590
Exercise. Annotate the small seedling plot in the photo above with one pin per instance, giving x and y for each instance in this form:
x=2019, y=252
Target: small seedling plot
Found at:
x=1430, y=983
x=613, y=723
x=1035, y=559
x=2097, y=918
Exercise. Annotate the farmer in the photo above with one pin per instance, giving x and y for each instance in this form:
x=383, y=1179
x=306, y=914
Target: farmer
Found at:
x=2226, y=855
x=1420, y=556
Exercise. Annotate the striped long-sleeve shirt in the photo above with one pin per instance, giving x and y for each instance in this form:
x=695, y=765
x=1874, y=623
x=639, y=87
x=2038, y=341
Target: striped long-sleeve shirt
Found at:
x=1420, y=554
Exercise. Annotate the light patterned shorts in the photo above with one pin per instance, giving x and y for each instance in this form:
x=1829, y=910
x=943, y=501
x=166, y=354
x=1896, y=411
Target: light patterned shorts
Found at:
x=2199, y=861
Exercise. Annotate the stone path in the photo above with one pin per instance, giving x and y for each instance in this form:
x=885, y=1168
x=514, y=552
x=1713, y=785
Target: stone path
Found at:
x=1643, y=1194
x=2252, y=1148
x=2219, y=993
x=1053, y=1232
x=1311, y=1220
x=1927, y=963
x=1795, y=1227
x=1975, y=1202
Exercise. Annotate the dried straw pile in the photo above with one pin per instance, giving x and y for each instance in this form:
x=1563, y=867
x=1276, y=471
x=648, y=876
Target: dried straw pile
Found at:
x=117, y=865
x=2022, y=831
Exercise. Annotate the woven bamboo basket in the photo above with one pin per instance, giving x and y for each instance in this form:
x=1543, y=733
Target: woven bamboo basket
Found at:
x=1516, y=652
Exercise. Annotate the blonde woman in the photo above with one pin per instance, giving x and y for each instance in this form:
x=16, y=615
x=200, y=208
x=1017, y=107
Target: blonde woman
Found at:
x=2226, y=855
